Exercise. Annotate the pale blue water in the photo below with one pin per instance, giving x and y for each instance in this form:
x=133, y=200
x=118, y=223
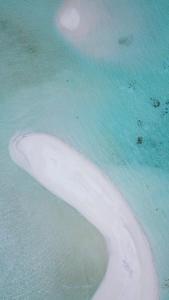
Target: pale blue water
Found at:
x=116, y=113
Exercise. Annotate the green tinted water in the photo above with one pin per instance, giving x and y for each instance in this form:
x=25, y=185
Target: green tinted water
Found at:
x=114, y=112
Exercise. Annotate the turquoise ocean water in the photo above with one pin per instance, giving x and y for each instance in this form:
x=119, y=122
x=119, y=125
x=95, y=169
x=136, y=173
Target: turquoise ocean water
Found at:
x=115, y=112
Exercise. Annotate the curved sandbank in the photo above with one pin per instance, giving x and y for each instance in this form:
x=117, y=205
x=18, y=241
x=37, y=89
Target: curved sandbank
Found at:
x=59, y=168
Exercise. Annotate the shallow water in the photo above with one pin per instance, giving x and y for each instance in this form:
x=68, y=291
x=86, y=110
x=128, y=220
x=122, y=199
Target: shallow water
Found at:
x=114, y=111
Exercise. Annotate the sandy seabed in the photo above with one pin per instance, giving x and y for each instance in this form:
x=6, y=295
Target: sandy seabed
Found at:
x=59, y=168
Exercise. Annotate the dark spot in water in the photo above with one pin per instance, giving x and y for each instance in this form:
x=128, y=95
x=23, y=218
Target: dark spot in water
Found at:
x=77, y=117
x=156, y=209
x=126, y=40
x=165, y=111
x=132, y=85
x=166, y=66
x=140, y=140
x=31, y=49
x=155, y=102
x=139, y=123
x=67, y=80
x=166, y=284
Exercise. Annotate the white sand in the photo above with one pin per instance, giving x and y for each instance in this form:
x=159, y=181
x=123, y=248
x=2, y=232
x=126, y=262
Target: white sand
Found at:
x=70, y=19
x=130, y=273
x=101, y=29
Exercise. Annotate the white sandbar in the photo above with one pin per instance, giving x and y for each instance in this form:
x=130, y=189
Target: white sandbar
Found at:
x=70, y=19
x=130, y=273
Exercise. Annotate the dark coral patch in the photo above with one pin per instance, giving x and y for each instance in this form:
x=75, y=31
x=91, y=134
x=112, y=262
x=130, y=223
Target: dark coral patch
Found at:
x=126, y=40
x=140, y=140
x=155, y=102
